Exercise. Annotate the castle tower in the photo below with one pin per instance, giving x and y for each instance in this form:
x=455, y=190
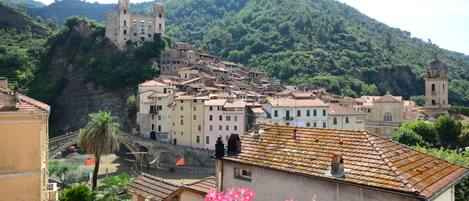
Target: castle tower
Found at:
x=436, y=87
x=123, y=33
x=160, y=18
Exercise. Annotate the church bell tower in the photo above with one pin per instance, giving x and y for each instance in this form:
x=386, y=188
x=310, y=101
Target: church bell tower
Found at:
x=436, y=87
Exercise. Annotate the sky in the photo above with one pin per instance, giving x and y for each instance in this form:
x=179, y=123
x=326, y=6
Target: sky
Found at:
x=444, y=22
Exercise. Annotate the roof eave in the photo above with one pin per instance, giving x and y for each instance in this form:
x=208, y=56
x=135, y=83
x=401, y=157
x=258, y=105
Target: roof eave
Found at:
x=449, y=185
x=335, y=180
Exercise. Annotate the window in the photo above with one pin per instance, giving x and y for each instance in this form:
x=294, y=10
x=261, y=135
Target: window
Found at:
x=210, y=117
x=242, y=174
x=125, y=22
x=335, y=121
x=153, y=127
x=182, y=108
x=194, y=109
x=433, y=87
x=227, y=127
x=159, y=26
x=287, y=124
x=182, y=122
x=207, y=140
x=220, y=118
x=125, y=32
x=308, y=124
x=324, y=124
x=275, y=113
x=235, y=128
x=182, y=133
x=235, y=118
x=369, y=110
x=387, y=117
x=160, y=15
x=152, y=117
x=197, y=139
x=298, y=113
x=125, y=11
x=346, y=120
x=314, y=113
x=308, y=113
x=211, y=128
x=220, y=127
x=315, y=125
x=210, y=108
x=323, y=112
x=433, y=102
x=199, y=128
x=159, y=128
x=194, y=117
x=228, y=118
x=287, y=114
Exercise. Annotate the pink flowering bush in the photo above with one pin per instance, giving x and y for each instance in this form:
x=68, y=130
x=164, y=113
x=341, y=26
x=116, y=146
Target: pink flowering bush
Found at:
x=239, y=194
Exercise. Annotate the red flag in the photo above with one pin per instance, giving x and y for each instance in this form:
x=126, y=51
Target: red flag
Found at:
x=180, y=162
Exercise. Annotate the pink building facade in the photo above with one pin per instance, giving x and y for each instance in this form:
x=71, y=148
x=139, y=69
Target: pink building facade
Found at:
x=223, y=118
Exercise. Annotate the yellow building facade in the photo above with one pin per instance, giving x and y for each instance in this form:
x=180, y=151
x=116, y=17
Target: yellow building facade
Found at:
x=188, y=121
x=23, y=146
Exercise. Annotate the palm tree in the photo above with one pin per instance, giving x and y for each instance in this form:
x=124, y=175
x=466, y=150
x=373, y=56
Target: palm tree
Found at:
x=99, y=138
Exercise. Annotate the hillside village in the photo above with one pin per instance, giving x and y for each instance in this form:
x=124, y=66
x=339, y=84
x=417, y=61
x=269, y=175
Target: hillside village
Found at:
x=258, y=139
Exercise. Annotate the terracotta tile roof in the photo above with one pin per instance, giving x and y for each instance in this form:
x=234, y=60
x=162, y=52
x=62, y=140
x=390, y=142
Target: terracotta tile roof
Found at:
x=235, y=103
x=215, y=102
x=203, y=186
x=369, y=159
x=152, y=188
x=290, y=102
x=152, y=83
x=335, y=109
x=24, y=103
x=258, y=110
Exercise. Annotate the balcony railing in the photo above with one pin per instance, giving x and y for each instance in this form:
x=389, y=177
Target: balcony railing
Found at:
x=288, y=118
x=153, y=111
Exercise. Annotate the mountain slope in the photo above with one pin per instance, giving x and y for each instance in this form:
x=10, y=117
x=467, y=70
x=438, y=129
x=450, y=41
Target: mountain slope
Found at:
x=26, y=3
x=316, y=40
x=320, y=41
x=21, y=45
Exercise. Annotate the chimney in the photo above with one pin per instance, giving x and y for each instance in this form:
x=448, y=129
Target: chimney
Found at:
x=3, y=83
x=256, y=130
x=337, y=166
x=234, y=145
x=219, y=148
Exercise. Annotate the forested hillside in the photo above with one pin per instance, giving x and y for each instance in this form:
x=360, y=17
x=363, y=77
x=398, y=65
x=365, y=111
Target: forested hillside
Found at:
x=21, y=45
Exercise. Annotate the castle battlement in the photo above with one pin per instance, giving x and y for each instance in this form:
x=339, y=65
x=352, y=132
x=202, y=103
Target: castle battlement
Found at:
x=123, y=27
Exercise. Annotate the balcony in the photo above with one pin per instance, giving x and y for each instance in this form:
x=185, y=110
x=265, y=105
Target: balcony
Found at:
x=153, y=111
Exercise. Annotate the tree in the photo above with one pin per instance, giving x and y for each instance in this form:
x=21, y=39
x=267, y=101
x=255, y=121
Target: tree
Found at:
x=68, y=173
x=112, y=188
x=131, y=106
x=408, y=137
x=425, y=130
x=99, y=138
x=448, y=130
x=76, y=193
x=464, y=136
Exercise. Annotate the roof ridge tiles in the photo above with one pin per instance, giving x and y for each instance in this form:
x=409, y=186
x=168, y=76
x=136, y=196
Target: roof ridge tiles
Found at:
x=397, y=173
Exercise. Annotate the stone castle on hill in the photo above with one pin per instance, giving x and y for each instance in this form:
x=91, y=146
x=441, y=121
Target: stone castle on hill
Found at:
x=122, y=26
